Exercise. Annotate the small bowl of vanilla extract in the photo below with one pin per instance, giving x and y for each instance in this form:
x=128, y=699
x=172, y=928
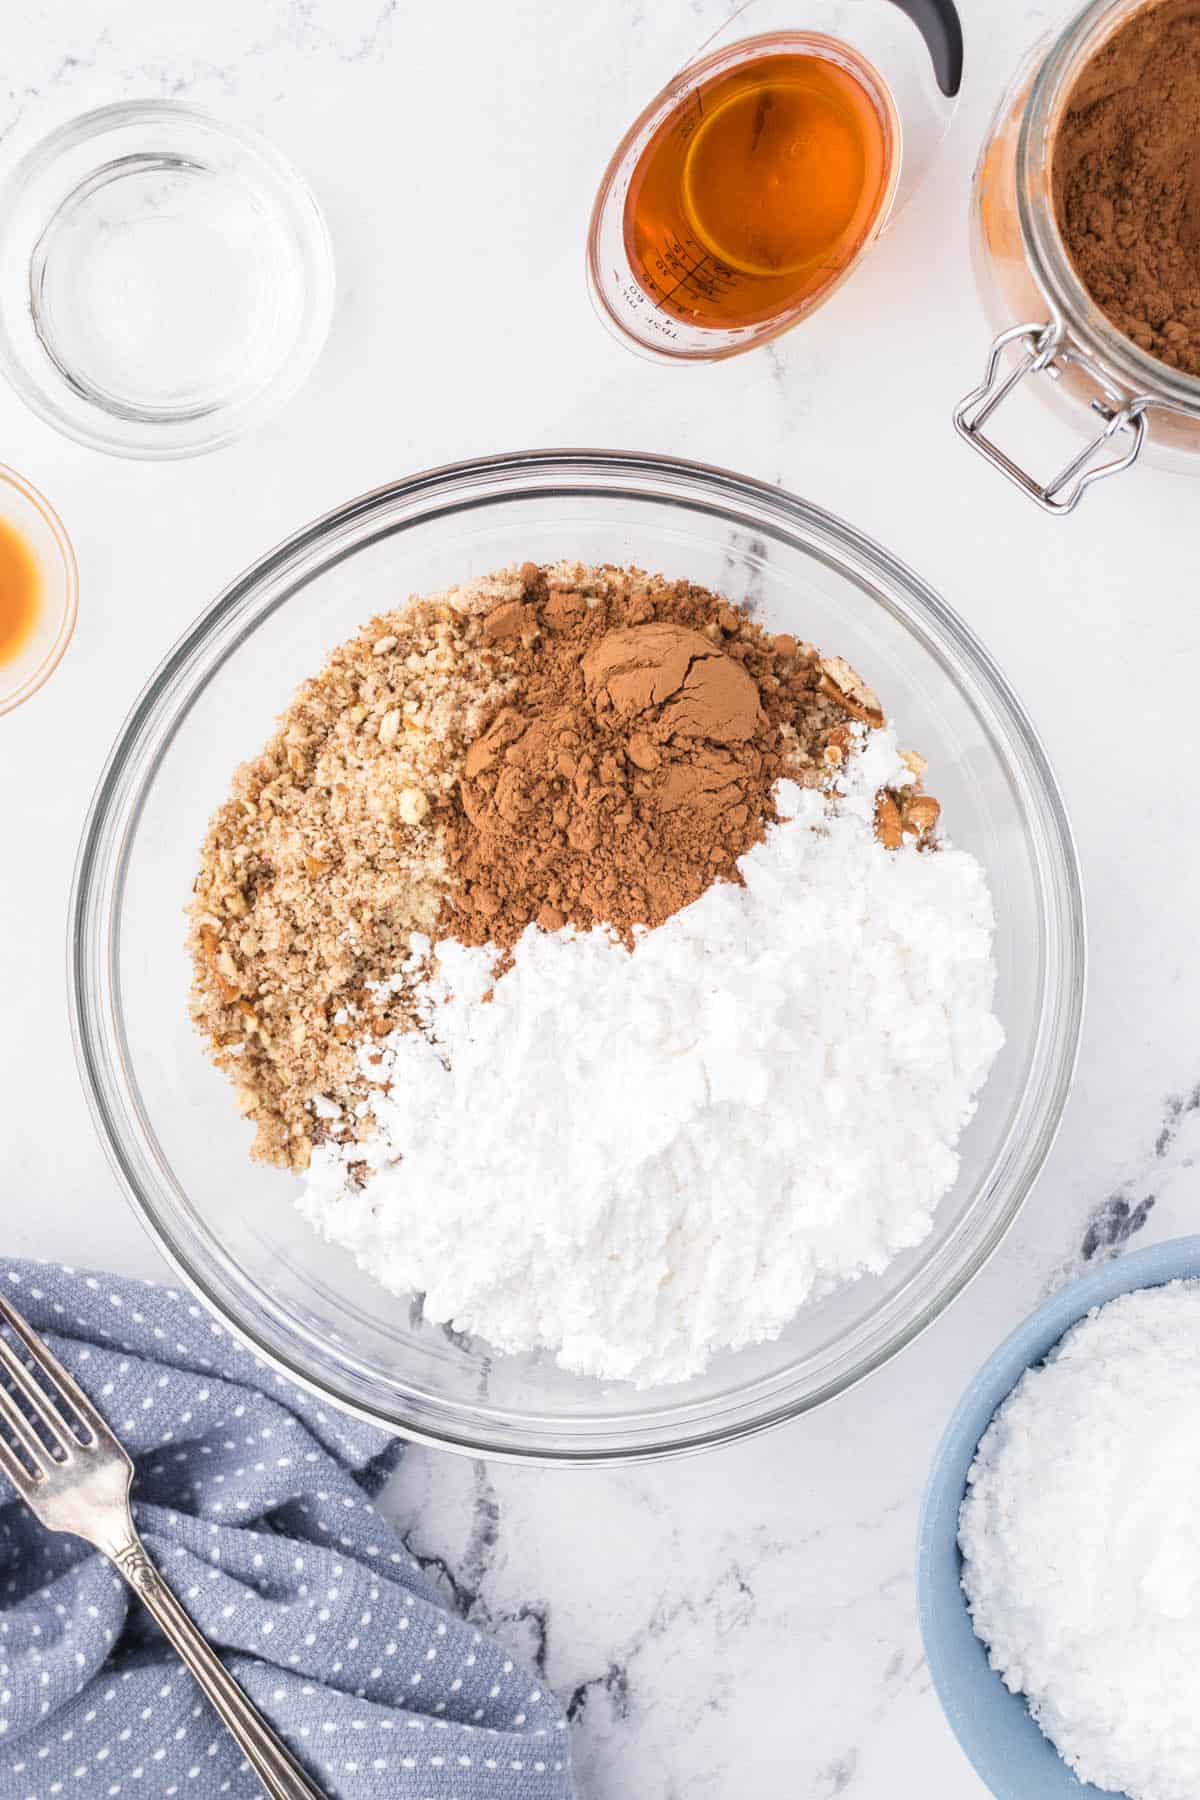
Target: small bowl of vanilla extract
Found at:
x=39, y=589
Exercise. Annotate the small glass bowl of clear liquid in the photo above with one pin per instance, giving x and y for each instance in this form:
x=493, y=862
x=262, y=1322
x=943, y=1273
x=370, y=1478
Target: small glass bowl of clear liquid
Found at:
x=166, y=280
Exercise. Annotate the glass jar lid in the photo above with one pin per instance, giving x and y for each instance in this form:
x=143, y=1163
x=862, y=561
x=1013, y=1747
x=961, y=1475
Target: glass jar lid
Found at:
x=166, y=280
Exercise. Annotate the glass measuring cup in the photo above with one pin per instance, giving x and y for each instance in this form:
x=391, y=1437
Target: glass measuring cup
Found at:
x=673, y=269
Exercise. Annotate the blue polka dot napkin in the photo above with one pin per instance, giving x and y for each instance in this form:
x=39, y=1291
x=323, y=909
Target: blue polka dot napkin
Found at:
x=255, y=1501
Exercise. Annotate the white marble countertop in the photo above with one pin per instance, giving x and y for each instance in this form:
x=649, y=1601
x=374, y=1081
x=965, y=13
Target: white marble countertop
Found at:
x=740, y=1625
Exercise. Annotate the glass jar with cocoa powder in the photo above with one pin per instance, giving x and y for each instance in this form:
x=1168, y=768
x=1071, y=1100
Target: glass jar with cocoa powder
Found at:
x=1085, y=237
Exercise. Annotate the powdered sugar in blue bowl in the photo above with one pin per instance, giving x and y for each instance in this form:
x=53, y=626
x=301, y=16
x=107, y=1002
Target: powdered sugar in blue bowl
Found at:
x=994, y=1726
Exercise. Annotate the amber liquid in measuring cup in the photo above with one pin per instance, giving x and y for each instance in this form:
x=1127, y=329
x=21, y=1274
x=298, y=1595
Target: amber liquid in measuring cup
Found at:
x=20, y=592
x=761, y=188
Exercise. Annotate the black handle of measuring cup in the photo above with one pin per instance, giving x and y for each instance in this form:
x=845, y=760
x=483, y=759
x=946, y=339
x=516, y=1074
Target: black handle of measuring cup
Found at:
x=939, y=24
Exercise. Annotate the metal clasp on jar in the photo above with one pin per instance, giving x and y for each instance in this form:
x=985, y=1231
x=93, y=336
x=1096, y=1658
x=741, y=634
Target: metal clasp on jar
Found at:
x=1048, y=350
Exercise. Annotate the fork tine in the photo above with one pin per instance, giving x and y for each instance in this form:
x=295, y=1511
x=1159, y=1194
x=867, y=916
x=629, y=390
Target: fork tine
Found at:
x=14, y=1468
x=50, y=1365
x=42, y=1403
x=12, y=1416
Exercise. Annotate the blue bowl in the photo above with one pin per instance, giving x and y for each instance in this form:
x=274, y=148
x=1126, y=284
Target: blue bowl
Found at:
x=994, y=1727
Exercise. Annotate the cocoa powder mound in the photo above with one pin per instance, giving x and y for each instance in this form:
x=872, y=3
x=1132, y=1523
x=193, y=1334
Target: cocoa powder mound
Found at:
x=649, y=723
x=1127, y=181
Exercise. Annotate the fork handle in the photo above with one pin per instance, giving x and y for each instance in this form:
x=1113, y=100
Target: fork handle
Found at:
x=281, y=1775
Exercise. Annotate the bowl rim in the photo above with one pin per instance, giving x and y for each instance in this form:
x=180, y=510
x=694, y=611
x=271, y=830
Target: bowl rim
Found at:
x=610, y=475
x=68, y=612
x=1025, y=1346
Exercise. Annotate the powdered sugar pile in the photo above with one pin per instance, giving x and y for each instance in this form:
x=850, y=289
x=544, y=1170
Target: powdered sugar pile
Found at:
x=1081, y=1556
x=635, y=1159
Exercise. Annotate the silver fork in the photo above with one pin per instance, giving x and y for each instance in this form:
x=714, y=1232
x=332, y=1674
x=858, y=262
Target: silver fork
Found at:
x=82, y=1486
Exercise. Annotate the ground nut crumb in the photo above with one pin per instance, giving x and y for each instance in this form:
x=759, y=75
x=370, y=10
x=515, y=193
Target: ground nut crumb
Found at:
x=329, y=853
x=413, y=806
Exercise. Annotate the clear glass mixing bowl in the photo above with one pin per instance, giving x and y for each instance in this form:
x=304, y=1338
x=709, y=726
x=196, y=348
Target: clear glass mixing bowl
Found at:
x=169, y=1121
